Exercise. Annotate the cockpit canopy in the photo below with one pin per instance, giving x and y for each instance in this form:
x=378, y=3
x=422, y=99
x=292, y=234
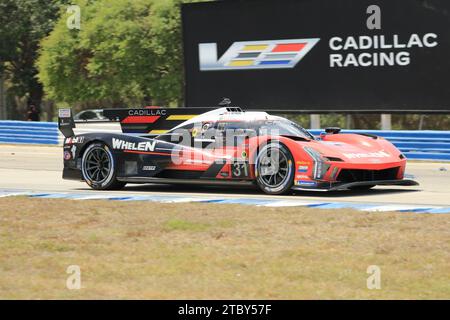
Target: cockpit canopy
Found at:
x=222, y=122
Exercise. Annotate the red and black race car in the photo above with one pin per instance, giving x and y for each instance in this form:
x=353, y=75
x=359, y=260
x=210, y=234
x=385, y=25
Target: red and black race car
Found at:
x=226, y=146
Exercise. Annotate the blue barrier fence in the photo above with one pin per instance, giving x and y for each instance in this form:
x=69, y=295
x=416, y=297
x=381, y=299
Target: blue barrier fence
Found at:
x=419, y=145
x=29, y=132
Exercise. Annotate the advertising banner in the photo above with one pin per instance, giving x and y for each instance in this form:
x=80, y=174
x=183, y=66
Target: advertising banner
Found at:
x=319, y=54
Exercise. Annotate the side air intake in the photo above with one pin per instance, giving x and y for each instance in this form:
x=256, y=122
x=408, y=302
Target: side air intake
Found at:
x=234, y=109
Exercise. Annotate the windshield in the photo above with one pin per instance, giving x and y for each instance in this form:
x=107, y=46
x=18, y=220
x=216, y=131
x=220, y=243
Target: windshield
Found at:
x=282, y=127
x=276, y=126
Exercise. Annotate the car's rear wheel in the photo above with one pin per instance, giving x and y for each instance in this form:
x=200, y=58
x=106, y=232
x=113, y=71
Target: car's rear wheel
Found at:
x=274, y=169
x=99, y=168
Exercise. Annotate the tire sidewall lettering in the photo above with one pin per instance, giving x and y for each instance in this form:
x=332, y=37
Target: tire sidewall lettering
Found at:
x=110, y=177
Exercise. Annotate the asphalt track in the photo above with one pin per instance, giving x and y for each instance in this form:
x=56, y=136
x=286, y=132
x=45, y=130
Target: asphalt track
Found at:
x=38, y=169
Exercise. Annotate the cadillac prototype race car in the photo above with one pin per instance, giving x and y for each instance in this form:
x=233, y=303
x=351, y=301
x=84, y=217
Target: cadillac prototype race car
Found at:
x=226, y=146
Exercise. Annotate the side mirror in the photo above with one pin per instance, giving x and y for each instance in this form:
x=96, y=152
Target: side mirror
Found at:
x=332, y=130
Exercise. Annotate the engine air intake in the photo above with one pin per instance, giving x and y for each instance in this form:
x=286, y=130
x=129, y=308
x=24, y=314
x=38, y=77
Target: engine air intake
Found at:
x=357, y=175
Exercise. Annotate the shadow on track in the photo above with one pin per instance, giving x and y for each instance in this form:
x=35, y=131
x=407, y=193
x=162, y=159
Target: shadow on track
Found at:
x=253, y=190
x=354, y=193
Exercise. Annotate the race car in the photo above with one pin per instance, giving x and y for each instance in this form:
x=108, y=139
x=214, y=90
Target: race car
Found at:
x=227, y=146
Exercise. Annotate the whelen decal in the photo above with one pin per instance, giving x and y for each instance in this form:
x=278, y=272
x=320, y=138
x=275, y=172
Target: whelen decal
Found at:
x=133, y=146
x=267, y=54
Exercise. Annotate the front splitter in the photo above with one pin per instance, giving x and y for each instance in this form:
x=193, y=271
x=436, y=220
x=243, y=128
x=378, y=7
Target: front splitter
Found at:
x=330, y=186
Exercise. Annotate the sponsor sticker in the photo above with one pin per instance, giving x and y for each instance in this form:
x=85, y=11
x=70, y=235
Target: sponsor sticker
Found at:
x=67, y=155
x=303, y=168
x=147, y=112
x=307, y=183
x=119, y=144
x=206, y=127
x=74, y=140
x=332, y=143
x=149, y=168
x=73, y=150
x=379, y=154
x=64, y=113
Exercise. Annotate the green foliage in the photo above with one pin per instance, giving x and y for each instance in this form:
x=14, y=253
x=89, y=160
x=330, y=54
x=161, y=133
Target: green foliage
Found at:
x=326, y=120
x=128, y=52
x=421, y=122
x=372, y=121
x=23, y=23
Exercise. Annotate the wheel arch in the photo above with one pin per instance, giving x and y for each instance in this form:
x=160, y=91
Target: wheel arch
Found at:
x=289, y=144
x=88, y=143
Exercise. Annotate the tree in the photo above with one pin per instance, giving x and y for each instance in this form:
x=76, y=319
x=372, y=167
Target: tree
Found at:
x=127, y=52
x=23, y=23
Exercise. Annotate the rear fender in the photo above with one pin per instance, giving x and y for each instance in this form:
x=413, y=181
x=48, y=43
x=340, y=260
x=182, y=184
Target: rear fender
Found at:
x=135, y=156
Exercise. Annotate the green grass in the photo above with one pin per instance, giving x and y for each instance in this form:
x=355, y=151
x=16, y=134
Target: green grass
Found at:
x=183, y=225
x=133, y=250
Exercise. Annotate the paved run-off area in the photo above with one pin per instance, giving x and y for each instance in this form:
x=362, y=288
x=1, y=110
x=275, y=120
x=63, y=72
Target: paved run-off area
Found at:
x=38, y=169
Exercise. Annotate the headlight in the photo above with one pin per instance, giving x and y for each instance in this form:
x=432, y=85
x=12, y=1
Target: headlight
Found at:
x=315, y=155
x=320, y=167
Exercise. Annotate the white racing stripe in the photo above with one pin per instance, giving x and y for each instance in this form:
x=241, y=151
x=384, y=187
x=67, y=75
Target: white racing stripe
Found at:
x=398, y=207
x=289, y=203
x=368, y=207
x=12, y=194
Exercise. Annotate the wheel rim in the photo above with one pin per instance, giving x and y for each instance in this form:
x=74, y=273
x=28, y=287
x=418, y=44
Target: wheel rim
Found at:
x=273, y=168
x=97, y=165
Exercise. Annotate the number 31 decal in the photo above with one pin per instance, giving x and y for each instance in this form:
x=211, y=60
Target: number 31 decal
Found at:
x=239, y=170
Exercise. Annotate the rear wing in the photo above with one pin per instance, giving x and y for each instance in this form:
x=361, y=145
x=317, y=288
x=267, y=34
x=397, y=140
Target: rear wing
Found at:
x=65, y=122
x=149, y=120
x=152, y=120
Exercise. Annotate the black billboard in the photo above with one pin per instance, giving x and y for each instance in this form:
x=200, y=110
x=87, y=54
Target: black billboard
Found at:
x=319, y=54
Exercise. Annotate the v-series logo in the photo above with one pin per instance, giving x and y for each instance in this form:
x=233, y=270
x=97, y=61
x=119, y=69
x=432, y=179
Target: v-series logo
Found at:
x=267, y=54
x=133, y=146
x=362, y=51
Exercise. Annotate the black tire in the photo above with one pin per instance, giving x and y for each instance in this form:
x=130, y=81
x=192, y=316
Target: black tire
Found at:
x=99, y=168
x=362, y=188
x=273, y=178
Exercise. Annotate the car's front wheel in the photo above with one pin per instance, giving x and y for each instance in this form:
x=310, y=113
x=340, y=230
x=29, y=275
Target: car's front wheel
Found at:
x=99, y=169
x=274, y=169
